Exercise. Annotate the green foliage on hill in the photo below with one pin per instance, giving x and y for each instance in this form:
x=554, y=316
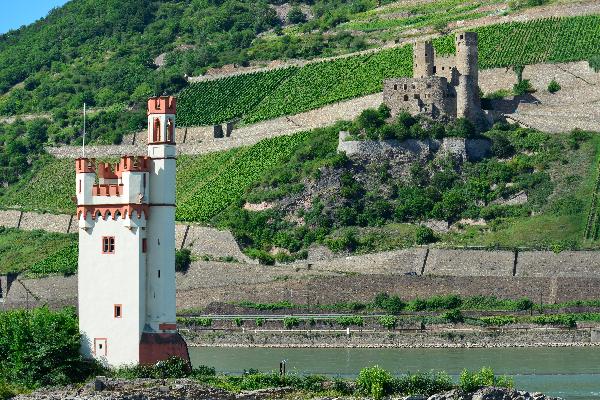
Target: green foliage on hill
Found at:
x=102, y=52
x=40, y=348
x=40, y=251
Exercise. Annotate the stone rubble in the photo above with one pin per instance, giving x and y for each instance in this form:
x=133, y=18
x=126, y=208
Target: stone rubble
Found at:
x=179, y=389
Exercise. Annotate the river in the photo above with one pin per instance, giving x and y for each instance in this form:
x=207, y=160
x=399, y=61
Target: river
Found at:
x=570, y=373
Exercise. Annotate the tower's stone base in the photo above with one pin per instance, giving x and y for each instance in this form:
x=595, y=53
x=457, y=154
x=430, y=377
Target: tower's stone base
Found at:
x=156, y=347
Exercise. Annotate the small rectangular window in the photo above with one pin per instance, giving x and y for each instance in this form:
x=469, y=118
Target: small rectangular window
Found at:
x=108, y=245
x=144, y=245
x=159, y=273
x=118, y=311
x=80, y=186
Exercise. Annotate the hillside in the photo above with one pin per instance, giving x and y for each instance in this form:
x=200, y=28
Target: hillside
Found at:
x=284, y=194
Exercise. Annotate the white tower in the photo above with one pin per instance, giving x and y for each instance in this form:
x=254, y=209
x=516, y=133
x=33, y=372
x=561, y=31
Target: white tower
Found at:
x=127, y=250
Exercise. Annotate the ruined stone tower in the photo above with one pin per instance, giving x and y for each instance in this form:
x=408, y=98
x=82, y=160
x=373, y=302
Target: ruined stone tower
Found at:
x=468, y=103
x=423, y=60
x=441, y=87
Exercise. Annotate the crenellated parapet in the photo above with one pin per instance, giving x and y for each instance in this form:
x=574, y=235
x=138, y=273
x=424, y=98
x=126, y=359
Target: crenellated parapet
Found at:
x=117, y=190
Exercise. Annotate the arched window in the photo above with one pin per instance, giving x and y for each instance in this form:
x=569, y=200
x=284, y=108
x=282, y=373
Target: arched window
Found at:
x=156, y=132
x=170, y=131
x=405, y=97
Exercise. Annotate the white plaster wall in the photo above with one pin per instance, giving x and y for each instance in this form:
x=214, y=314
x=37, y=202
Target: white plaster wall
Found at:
x=108, y=279
x=160, y=295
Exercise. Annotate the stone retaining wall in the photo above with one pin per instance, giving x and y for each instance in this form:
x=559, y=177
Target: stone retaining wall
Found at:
x=418, y=339
x=48, y=222
x=469, y=263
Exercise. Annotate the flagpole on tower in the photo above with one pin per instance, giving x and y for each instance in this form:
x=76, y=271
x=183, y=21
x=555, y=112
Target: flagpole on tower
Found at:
x=83, y=148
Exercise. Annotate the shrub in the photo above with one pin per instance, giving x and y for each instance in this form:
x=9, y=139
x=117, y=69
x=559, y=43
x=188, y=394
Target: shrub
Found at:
x=291, y=322
x=259, y=321
x=388, y=321
x=499, y=320
x=40, y=347
x=374, y=381
x=471, y=381
x=522, y=87
x=238, y=321
x=553, y=86
x=296, y=16
x=346, y=321
x=427, y=384
x=424, y=235
x=454, y=316
x=262, y=256
x=183, y=260
x=594, y=63
x=203, y=370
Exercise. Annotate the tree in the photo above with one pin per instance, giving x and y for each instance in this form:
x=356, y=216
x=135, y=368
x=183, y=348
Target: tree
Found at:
x=296, y=16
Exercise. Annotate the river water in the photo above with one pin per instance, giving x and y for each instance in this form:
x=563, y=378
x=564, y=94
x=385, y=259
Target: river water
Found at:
x=571, y=373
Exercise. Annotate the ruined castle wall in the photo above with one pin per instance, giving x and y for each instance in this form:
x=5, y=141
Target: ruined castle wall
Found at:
x=446, y=67
x=427, y=95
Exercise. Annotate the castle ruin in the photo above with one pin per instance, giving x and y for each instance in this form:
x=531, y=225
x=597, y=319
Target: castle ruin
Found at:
x=441, y=87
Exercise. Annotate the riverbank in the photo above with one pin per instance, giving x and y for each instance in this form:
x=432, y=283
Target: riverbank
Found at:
x=184, y=389
x=446, y=338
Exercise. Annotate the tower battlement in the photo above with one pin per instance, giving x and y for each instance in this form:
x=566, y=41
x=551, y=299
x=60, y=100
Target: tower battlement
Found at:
x=162, y=105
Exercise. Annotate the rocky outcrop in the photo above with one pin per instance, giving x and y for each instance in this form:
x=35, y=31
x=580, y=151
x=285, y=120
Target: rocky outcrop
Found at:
x=411, y=150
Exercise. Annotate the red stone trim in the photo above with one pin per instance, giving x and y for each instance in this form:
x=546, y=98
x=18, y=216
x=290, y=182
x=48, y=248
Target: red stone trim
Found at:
x=167, y=327
x=156, y=347
x=107, y=189
x=85, y=165
x=107, y=239
x=162, y=105
x=104, y=210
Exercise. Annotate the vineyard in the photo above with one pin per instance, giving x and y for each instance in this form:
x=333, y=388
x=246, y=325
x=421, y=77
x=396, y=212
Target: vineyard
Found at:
x=206, y=184
x=231, y=173
x=226, y=99
x=261, y=96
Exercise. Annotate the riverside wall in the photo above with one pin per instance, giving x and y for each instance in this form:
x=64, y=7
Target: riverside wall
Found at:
x=450, y=338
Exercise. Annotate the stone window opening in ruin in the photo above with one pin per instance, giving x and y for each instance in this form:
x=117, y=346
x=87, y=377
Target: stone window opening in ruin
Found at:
x=405, y=86
x=413, y=86
x=405, y=97
x=417, y=96
x=434, y=69
x=429, y=86
x=395, y=87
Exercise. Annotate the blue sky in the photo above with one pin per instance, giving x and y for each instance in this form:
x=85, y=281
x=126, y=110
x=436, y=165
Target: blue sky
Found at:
x=24, y=12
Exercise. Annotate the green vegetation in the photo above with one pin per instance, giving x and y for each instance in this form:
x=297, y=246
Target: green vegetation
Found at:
x=471, y=381
x=322, y=83
x=183, y=260
x=39, y=348
x=38, y=251
x=230, y=179
x=226, y=99
x=553, y=86
x=318, y=84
